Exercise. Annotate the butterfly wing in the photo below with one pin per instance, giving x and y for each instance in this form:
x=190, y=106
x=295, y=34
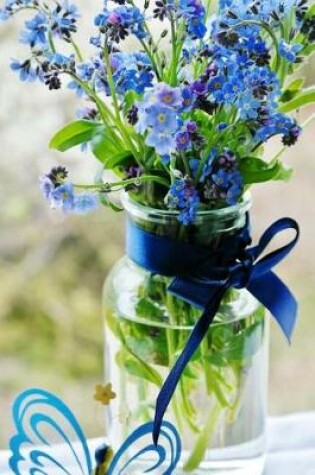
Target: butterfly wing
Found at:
x=139, y=455
x=45, y=431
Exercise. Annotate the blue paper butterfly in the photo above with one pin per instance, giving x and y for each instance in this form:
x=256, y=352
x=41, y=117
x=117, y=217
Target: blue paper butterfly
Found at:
x=42, y=420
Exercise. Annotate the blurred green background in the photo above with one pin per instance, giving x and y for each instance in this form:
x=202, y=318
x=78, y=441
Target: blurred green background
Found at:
x=52, y=267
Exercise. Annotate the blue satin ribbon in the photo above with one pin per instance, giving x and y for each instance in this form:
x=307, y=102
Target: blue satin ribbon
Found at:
x=202, y=278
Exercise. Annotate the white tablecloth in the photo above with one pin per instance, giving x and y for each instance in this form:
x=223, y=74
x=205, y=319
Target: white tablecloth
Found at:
x=291, y=446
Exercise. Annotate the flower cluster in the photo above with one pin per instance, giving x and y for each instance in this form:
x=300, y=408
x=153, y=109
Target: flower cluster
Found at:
x=181, y=120
x=184, y=196
x=116, y=24
x=61, y=195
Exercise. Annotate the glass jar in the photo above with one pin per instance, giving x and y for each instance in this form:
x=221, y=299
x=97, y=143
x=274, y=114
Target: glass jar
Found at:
x=219, y=407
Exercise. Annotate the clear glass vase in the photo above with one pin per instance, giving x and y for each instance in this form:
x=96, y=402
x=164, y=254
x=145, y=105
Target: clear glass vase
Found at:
x=219, y=407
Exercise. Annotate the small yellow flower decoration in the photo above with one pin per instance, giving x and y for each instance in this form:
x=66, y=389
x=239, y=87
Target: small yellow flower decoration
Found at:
x=104, y=393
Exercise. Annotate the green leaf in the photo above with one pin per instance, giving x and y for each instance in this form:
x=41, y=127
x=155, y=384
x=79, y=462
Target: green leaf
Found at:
x=308, y=50
x=256, y=170
x=73, y=134
x=138, y=368
x=301, y=100
x=147, y=308
x=245, y=344
x=292, y=90
x=103, y=146
x=311, y=11
x=118, y=159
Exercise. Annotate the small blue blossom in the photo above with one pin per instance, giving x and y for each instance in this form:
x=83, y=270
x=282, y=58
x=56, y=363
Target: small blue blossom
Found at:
x=161, y=118
x=11, y=6
x=25, y=70
x=170, y=96
x=215, y=85
x=184, y=197
x=85, y=71
x=46, y=186
x=289, y=52
x=64, y=18
x=193, y=12
x=276, y=124
x=62, y=197
x=163, y=142
x=183, y=141
x=249, y=106
x=120, y=22
x=131, y=71
x=35, y=31
x=224, y=182
x=77, y=88
x=222, y=126
x=188, y=99
x=166, y=159
x=85, y=203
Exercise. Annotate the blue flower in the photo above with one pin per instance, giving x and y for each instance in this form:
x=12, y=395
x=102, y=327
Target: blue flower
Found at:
x=169, y=96
x=62, y=197
x=4, y=14
x=131, y=71
x=188, y=99
x=120, y=22
x=224, y=182
x=230, y=91
x=184, y=197
x=46, y=186
x=215, y=85
x=11, y=6
x=64, y=19
x=193, y=12
x=25, y=70
x=85, y=71
x=77, y=88
x=183, y=141
x=264, y=12
x=35, y=31
x=289, y=52
x=277, y=124
x=85, y=203
x=161, y=118
x=249, y=106
x=163, y=142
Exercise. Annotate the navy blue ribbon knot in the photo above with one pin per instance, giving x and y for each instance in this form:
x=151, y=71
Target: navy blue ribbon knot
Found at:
x=202, y=281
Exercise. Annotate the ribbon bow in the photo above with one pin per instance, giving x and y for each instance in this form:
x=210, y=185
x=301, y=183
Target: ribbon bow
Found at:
x=165, y=256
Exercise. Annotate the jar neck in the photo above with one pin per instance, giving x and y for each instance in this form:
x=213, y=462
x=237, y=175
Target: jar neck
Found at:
x=208, y=226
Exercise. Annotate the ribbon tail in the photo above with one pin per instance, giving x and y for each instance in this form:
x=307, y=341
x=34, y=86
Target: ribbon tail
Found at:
x=277, y=298
x=194, y=340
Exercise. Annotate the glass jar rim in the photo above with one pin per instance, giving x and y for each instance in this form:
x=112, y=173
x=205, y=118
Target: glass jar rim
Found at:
x=142, y=211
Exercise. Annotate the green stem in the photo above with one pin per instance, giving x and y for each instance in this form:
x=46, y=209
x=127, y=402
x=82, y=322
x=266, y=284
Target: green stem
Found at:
x=108, y=187
x=77, y=50
x=51, y=41
x=171, y=351
x=173, y=75
x=202, y=444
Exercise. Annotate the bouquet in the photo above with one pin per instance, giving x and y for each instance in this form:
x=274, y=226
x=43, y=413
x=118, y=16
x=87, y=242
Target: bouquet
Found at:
x=183, y=117
x=178, y=100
